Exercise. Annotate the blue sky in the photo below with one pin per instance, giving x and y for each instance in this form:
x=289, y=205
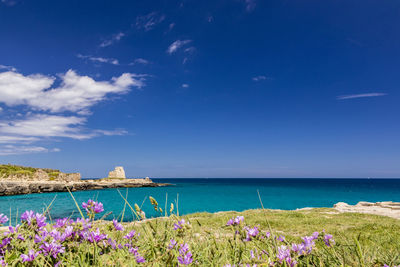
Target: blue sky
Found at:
x=226, y=88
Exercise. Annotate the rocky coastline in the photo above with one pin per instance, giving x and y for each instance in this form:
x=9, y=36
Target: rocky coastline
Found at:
x=41, y=181
x=14, y=187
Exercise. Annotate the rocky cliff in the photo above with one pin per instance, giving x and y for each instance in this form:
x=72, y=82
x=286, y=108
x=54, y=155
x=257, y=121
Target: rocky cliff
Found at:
x=15, y=173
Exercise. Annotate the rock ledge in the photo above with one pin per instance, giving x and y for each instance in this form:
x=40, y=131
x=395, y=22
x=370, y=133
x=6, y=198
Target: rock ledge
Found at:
x=387, y=208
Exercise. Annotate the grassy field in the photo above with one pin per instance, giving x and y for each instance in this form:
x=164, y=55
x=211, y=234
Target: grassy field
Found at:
x=259, y=238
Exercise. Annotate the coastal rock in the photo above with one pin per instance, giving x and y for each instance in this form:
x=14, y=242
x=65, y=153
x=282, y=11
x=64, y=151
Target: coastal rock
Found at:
x=40, y=175
x=118, y=172
x=67, y=177
x=9, y=188
x=387, y=208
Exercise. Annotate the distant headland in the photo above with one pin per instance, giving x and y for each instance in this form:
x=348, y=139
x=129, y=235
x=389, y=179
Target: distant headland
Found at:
x=19, y=180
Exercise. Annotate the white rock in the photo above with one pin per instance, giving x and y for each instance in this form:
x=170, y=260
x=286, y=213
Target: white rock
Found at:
x=118, y=172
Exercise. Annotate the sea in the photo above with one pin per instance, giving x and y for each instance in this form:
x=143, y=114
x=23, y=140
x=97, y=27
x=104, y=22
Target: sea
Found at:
x=211, y=195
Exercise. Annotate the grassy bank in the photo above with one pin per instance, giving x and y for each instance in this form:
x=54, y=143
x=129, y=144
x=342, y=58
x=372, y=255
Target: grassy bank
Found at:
x=8, y=170
x=259, y=238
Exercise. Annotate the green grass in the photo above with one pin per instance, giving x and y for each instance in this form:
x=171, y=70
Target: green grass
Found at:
x=361, y=239
x=7, y=170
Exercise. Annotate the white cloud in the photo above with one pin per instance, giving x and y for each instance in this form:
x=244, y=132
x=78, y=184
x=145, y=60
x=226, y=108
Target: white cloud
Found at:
x=175, y=46
x=16, y=89
x=112, y=61
x=190, y=50
x=7, y=139
x=75, y=93
x=360, y=96
x=140, y=61
x=260, y=78
x=171, y=26
x=185, y=85
x=45, y=126
x=4, y=67
x=149, y=21
x=41, y=126
x=7, y=150
x=115, y=38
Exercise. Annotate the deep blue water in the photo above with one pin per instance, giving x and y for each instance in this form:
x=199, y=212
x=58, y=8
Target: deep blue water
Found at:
x=213, y=195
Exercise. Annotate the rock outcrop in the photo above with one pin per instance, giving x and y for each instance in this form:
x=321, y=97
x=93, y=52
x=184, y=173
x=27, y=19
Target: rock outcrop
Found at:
x=8, y=187
x=387, y=208
x=19, y=180
x=118, y=172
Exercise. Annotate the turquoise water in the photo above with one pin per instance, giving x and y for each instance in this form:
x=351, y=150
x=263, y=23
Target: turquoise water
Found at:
x=213, y=195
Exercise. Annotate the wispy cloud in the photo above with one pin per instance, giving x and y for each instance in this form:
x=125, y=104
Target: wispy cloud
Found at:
x=149, y=21
x=175, y=46
x=39, y=126
x=7, y=150
x=260, y=78
x=112, y=61
x=185, y=85
x=140, y=61
x=114, y=39
x=342, y=97
x=10, y=68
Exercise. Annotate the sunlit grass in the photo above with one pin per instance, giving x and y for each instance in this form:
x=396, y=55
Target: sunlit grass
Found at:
x=260, y=238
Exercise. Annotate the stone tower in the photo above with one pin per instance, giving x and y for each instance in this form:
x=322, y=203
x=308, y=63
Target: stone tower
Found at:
x=118, y=172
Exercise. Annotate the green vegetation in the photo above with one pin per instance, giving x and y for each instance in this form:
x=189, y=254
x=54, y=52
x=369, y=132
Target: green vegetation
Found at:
x=315, y=237
x=7, y=170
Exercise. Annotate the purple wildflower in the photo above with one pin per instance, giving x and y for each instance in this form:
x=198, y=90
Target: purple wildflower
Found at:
x=328, y=239
x=3, y=218
x=30, y=257
x=251, y=232
x=130, y=235
x=112, y=243
x=281, y=238
x=134, y=251
x=307, y=245
x=31, y=218
x=93, y=206
x=315, y=235
x=252, y=256
x=62, y=222
x=118, y=226
x=12, y=230
x=94, y=236
x=235, y=221
x=284, y=255
x=180, y=224
x=185, y=256
x=172, y=244
x=5, y=242
x=139, y=259
x=52, y=248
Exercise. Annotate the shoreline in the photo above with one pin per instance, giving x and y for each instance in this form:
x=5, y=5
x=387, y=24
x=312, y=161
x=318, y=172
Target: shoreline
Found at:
x=24, y=187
